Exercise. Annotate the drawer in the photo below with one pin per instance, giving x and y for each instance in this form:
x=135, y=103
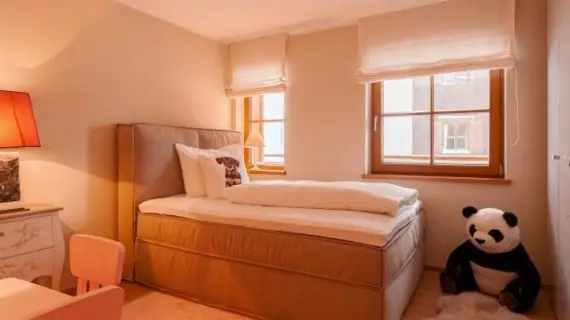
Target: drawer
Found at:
x=28, y=266
x=24, y=236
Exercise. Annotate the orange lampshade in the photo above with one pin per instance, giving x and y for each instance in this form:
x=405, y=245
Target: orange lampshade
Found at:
x=17, y=122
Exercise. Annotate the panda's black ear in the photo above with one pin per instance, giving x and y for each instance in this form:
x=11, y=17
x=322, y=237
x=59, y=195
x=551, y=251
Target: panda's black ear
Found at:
x=511, y=219
x=469, y=211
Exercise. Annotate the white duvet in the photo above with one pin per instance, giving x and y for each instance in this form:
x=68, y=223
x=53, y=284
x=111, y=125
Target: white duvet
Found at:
x=382, y=198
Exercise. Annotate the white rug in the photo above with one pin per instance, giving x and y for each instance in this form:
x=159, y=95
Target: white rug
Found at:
x=473, y=306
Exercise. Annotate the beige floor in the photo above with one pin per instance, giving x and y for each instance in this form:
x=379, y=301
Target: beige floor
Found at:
x=143, y=303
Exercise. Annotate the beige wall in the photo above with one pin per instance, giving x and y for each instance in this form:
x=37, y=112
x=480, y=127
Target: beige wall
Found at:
x=89, y=65
x=326, y=127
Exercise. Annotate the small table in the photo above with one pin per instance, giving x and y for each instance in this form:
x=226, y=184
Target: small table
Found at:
x=20, y=299
x=32, y=244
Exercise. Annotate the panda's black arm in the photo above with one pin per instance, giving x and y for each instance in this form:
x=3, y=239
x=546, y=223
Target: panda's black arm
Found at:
x=528, y=274
x=459, y=256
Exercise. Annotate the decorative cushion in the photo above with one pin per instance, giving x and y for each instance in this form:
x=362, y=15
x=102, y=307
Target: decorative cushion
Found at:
x=203, y=174
x=222, y=169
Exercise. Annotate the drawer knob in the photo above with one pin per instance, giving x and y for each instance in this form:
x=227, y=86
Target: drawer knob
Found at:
x=1, y=234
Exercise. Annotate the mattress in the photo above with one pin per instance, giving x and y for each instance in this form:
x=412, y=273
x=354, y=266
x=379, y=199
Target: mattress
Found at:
x=329, y=257
x=281, y=263
x=359, y=227
x=269, y=274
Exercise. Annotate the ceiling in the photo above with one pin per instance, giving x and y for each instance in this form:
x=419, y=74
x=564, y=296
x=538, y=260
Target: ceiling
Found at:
x=234, y=20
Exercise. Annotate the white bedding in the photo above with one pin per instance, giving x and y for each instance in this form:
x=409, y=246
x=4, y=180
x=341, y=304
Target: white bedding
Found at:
x=372, y=197
x=359, y=227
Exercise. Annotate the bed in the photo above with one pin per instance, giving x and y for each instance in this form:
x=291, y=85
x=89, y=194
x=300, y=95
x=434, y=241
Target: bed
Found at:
x=262, y=262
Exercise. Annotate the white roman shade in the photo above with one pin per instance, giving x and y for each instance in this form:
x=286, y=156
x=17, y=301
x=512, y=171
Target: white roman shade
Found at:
x=257, y=66
x=444, y=37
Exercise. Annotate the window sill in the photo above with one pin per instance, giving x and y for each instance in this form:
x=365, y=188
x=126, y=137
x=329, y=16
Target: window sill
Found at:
x=273, y=172
x=499, y=181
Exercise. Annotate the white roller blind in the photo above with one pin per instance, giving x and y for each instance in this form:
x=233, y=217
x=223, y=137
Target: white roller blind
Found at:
x=449, y=36
x=257, y=66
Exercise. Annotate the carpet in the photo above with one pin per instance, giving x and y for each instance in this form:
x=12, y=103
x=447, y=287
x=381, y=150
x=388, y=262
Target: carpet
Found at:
x=473, y=306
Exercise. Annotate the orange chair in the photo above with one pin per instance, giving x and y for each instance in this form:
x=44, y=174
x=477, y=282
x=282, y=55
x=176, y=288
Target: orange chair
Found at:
x=103, y=303
x=96, y=262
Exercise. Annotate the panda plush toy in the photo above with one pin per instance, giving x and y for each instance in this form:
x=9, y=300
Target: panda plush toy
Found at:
x=493, y=261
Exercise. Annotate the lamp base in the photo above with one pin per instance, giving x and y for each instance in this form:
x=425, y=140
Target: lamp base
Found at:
x=9, y=179
x=13, y=210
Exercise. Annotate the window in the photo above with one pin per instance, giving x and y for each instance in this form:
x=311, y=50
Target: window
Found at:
x=265, y=114
x=455, y=138
x=447, y=124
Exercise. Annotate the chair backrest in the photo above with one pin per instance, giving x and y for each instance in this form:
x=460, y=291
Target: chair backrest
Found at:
x=104, y=303
x=95, y=261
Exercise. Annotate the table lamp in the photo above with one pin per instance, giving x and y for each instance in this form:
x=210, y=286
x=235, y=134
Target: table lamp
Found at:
x=17, y=130
x=255, y=142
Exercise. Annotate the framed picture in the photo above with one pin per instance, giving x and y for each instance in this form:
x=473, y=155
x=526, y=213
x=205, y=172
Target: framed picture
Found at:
x=9, y=178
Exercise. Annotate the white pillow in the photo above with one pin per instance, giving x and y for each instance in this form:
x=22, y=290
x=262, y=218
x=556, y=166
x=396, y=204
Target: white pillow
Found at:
x=223, y=168
x=192, y=171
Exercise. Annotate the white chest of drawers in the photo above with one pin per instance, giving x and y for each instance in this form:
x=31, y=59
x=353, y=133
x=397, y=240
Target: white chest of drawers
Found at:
x=32, y=244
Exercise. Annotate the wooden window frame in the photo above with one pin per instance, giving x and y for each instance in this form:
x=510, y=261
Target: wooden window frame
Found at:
x=248, y=104
x=496, y=137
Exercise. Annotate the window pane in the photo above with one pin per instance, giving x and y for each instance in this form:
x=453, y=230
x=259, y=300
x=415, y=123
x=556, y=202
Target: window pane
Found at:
x=273, y=135
x=274, y=106
x=450, y=143
x=450, y=130
x=255, y=127
x=461, y=130
x=461, y=143
x=406, y=95
x=255, y=111
x=470, y=144
x=406, y=139
x=466, y=90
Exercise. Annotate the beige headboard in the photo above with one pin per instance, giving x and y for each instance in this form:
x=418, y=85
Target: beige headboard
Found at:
x=148, y=167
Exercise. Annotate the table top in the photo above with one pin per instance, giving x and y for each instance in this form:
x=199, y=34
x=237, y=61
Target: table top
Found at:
x=34, y=208
x=20, y=299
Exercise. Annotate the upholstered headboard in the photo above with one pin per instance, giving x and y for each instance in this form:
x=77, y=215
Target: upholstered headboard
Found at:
x=148, y=168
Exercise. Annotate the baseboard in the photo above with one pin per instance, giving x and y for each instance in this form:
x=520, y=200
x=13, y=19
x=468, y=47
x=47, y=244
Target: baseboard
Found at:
x=429, y=268
x=548, y=287
x=70, y=291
